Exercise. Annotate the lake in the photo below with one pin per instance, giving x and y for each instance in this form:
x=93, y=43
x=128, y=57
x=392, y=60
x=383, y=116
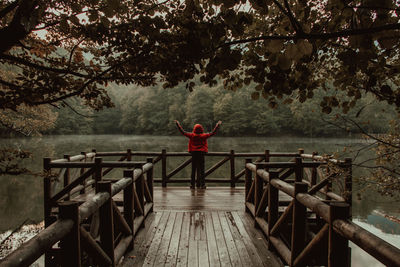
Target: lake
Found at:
x=21, y=197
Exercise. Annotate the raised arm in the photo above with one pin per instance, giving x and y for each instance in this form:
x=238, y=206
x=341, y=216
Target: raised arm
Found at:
x=214, y=131
x=181, y=129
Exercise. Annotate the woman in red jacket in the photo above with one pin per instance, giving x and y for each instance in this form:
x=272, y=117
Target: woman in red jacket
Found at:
x=198, y=147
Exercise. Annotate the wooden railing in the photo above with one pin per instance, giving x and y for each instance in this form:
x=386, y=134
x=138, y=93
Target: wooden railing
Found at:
x=309, y=224
x=169, y=176
x=93, y=224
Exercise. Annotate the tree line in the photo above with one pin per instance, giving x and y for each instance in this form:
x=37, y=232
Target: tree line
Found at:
x=140, y=110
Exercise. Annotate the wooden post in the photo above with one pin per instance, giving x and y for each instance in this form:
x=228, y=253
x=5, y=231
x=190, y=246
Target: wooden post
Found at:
x=266, y=157
x=98, y=173
x=258, y=191
x=298, y=169
x=70, y=244
x=47, y=193
x=232, y=161
x=94, y=174
x=107, y=222
x=128, y=154
x=129, y=204
x=247, y=182
x=273, y=205
x=149, y=176
x=348, y=183
x=164, y=167
x=82, y=172
x=299, y=223
x=328, y=186
x=300, y=151
x=338, y=246
x=67, y=177
x=139, y=187
x=314, y=172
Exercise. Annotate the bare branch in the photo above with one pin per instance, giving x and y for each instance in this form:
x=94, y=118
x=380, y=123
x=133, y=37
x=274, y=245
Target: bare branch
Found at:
x=293, y=20
x=373, y=7
x=370, y=135
x=377, y=167
x=75, y=111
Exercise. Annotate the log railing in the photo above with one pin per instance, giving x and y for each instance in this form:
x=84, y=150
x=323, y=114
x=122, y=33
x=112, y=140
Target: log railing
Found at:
x=169, y=176
x=94, y=230
x=306, y=228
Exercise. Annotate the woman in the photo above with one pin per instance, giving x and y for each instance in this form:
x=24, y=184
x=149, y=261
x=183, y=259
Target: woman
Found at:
x=198, y=147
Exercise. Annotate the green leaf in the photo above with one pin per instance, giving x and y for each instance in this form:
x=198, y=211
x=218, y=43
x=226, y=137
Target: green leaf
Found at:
x=327, y=110
x=386, y=90
x=64, y=26
x=74, y=20
x=105, y=22
x=284, y=62
x=273, y=104
x=288, y=101
x=259, y=87
x=93, y=16
x=274, y=46
x=305, y=47
x=255, y=95
x=291, y=51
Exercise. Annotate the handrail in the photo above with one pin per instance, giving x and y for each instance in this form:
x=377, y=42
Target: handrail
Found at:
x=295, y=255
x=321, y=158
x=31, y=250
x=75, y=158
x=238, y=154
x=168, y=177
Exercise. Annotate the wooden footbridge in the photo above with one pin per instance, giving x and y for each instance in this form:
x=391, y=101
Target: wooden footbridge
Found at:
x=294, y=209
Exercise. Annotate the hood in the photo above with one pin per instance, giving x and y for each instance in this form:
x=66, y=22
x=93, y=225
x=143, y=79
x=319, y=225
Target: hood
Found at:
x=198, y=129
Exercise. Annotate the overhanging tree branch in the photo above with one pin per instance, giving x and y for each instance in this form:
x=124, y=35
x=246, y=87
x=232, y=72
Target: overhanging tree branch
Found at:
x=14, y=59
x=8, y=9
x=370, y=135
x=80, y=90
x=318, y=36
x=25, y=19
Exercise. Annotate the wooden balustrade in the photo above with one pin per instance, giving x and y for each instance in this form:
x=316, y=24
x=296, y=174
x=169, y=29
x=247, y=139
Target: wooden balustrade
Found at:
x=89, y=164
x=311, y=230
x=76, y=225
x=85, y=160
x=292, y=202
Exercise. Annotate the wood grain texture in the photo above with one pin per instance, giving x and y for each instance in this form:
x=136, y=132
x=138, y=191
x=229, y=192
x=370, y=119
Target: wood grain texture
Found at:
x=216, y=231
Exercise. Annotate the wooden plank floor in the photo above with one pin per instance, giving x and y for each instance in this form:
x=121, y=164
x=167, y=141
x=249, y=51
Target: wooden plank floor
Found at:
x=199, y=228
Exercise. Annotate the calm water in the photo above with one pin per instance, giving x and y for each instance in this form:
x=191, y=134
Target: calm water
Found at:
x=21, y=197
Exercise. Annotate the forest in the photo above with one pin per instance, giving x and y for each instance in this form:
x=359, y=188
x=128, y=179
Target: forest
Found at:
x=140, y=110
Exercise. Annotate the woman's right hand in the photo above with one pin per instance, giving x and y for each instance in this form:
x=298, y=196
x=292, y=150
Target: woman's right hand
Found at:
x=219, y=122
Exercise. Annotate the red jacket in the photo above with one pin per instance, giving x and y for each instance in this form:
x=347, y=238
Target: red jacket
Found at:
x=197, y=138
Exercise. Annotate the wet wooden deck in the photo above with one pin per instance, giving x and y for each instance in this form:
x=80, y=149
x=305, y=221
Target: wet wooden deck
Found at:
x=200, y=228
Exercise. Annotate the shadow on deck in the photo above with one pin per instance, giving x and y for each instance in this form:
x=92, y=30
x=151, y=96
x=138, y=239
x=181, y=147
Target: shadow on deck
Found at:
x=200, y=228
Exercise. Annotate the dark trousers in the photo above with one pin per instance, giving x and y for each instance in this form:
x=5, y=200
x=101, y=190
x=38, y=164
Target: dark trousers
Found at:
x=198, y=167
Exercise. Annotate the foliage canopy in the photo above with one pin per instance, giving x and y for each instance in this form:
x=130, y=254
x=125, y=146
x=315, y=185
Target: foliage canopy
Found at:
x=52, y=50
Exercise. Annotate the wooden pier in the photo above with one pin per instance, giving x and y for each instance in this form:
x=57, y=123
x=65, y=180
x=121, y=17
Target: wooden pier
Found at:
x=200, y=228
x=291, y=209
